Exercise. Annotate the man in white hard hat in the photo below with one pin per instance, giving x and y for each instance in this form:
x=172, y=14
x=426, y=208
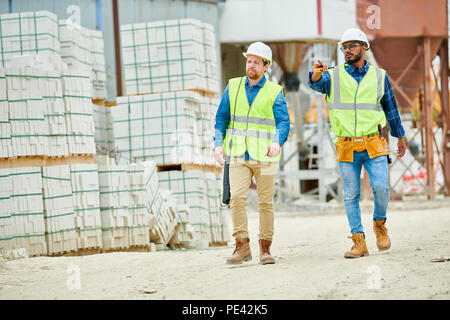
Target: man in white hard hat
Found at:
x=252, y=123
x=360, y=98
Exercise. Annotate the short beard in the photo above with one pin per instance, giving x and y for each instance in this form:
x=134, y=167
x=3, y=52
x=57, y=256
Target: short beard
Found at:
x=255, y=77
x=355, y=59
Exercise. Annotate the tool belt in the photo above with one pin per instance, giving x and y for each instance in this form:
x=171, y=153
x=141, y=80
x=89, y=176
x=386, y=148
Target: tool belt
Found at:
x=374, y=144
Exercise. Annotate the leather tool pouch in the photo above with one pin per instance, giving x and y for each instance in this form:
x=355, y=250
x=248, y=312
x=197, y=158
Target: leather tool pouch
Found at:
x=376, y=146
x=344, y=149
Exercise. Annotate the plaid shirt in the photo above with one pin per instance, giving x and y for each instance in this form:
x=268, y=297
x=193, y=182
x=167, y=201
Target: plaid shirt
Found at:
x=388, y=101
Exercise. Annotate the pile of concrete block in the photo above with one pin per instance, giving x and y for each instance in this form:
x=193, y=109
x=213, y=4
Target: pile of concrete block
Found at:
x=166, y=219
x=168, y=55
x=26, y=33
x=201, y=191
x=103, y=129
x=211, y=70
x=27, y=109
x=6, y=219
x=5, y=125
x=22, y=222
x=44, y=112
x=83, y=49
x=59, y=216
x=206, y=129
x=183, y=235
x=114, y=202
x=79, y=115
x=161, y=127
x=86, y=205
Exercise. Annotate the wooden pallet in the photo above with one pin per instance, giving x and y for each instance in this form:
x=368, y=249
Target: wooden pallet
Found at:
x=187, y=166
x=100, y=102
x=218, y=244
x=84, y=251
x=139, y=248
x=110, y=104
x=44, y=161
x=62, y=253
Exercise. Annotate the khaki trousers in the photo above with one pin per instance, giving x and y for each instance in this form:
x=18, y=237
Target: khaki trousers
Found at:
x=241, y=173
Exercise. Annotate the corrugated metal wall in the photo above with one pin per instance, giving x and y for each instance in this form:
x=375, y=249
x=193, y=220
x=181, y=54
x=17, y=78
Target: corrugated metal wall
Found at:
x=130, y=11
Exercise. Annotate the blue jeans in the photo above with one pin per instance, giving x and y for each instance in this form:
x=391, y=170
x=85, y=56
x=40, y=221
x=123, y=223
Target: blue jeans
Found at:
x=377, y=168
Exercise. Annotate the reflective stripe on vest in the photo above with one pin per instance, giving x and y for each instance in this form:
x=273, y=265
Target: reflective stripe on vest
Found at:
x=355, y=108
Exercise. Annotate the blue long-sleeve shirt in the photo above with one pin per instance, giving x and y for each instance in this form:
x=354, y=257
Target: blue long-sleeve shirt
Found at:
x=280, y=113
x=388, y=102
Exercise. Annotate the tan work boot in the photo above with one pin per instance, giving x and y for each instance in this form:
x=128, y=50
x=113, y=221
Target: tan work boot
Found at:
x=241, y=252
x=264, y=252
x=359, y=248
x=383, y=241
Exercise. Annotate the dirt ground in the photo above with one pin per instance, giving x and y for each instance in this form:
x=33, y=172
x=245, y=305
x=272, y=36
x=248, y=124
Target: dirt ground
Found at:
x=308, y=248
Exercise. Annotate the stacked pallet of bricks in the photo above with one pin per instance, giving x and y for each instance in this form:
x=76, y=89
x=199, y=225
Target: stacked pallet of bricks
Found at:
x=162, y=127
x=83, y=49
x=183, y=235
x=209, y=44
x=201, y=191
x=125, y=203
x=26, y=33
x=22, y=211
x=86, y=205
x=166, y=219
x=169, y=55
x=79, y=113
x=46, y=109
x=103, y=135
x=46, y=113
x=59, y=214
x=5, y=126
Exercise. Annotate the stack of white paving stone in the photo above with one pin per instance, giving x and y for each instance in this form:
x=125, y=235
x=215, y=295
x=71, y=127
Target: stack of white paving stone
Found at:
x=52, y=94
x=60, y=231
x=184, y=232
x=103, y=129
x=142, y=193
x=83, y=49
x=5, y=126
x=79, y=115
x=27, y=109
x=26, y=33
x=209, y=44
x=86, y=204
x=161, y=127
x=166, y=220
x=114, y=202
x=27, y=209
x=206, y=129
x=190, y=187
x=164, y=56
x=214, y=199
x=6, y=219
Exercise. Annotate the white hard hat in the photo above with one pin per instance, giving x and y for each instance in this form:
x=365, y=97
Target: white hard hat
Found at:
x=261, y=50
x=354, y=34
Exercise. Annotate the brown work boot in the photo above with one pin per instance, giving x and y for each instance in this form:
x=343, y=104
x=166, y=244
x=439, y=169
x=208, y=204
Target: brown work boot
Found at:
x=264, y=252
x=241, y=252
x=359, y=248
x=383, y=241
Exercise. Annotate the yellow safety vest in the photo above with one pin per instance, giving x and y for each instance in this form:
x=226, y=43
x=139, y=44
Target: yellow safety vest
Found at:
x=252, y=128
